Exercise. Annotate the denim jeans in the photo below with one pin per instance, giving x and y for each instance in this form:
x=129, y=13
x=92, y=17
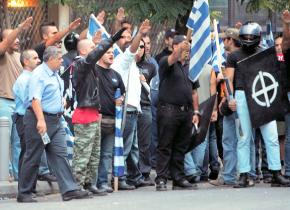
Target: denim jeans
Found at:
x=211, y=151
x=229, y=141
x=154, y=140
x=193, y=160
x=287, y=145
x=7, y=108
x=107, y=147
x=246, y=142
x=131, y=151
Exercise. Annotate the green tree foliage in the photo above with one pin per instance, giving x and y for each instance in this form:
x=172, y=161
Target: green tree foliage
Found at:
x=271, y=5
x=162, y=11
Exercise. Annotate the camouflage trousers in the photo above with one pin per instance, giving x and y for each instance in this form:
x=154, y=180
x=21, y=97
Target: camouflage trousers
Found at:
x=86, y=152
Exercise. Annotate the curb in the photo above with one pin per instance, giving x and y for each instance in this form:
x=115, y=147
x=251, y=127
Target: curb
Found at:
x=10, y=189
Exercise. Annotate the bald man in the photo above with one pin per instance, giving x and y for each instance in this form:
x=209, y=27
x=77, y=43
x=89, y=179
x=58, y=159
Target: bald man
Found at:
x=10, y=69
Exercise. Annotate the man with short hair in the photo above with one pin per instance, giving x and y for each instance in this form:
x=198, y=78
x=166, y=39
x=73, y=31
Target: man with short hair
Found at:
x=86, y=117
x=51, y=36
x=41, y=119
x=10, y=69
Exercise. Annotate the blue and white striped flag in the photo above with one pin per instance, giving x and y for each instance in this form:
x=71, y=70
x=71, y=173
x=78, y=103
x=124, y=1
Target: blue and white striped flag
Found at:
x=214, y=58
x=269, y=34
x=190, y=21
x=200, y=53
x=119, y=164
x=94, y=26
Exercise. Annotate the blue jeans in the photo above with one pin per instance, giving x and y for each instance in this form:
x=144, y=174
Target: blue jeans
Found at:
x=229, y=141
x=246, y=142
x=154, y=140
x=211, y=151
x=287, y=145
x=131, y=151
x=193, y=160
x=7, y=108
x=107, y=147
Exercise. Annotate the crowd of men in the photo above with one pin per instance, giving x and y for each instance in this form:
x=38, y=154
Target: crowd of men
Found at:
x=40, y=88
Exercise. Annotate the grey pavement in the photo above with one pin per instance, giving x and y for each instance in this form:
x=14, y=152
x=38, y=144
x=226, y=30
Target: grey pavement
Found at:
x=207, y=197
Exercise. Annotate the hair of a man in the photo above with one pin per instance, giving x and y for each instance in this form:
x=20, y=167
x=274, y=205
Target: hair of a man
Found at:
x=51, y=52
x=25, y=55
x=44, y=27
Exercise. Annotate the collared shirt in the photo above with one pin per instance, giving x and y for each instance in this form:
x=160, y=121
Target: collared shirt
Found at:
x=46, y=86
x=20, y=90
x=125, y=65
x=10, y=69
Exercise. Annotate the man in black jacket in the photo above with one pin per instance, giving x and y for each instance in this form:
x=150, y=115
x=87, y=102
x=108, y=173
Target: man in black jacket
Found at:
x=86, y=117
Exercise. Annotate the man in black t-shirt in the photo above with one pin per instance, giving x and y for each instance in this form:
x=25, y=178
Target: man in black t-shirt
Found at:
x=177, y=100
x=286, y=49
x=250, y=36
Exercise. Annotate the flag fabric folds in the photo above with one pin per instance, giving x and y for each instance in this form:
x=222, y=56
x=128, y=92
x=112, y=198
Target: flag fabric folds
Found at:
x=201, y=52
x=119, y=164
x=94, y=26
x=214, y=58
x=269, y=34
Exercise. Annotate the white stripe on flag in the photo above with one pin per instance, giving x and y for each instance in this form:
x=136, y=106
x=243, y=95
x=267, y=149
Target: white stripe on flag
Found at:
x=201, y=40
x=118, y=161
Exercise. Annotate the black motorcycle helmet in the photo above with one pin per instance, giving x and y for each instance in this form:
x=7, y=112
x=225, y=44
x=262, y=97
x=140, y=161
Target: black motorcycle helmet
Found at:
x=71, y=41
x=250, y=35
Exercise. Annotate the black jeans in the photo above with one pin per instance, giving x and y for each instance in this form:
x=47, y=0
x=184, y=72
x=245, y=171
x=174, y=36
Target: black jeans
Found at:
x=174, y=130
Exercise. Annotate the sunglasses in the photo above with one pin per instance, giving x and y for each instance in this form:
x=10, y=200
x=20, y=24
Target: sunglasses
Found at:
x=141, y=47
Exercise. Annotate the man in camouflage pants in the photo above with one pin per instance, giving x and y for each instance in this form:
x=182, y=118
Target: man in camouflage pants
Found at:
x=86, y=117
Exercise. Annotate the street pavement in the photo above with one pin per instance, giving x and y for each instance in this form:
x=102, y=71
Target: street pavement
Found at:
x=207, y=197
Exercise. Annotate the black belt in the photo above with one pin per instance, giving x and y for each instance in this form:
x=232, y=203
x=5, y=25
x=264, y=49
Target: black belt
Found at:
x=181, y=108
x=59, y=114
x=132, y=112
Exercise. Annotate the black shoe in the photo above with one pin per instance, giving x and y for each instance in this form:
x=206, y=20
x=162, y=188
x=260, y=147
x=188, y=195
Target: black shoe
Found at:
x=93, y=189
x=149, y=181
x=75, y=194
x=161, y=186
x=25, y=199
x=267, y=180
x=122, y=185
x=47, y=177
x=192, y=179
x=243, y=181
x=183, y=184
x=213, y=175
x=142, y=183
x=203, y=178
x=106, y=188
x=279, y=181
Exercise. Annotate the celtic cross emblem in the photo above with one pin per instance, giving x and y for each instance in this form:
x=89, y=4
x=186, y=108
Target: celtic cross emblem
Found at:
x=265, y=89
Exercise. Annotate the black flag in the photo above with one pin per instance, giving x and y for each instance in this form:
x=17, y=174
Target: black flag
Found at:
x=206, y=109
x=263, y=87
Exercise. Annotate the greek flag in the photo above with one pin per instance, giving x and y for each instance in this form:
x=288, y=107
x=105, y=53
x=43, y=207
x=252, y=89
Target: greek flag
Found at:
x=94, y=26
x=200, y=53
x=119, y=165
x=269, y=35
x=214, y=58
x=69, y=140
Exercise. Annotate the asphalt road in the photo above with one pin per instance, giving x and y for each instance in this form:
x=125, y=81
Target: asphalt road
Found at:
x=207, y=197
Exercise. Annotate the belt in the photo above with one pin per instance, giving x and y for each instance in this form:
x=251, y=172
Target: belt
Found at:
x=132, y=112
x=181, y=108
x=59, y=114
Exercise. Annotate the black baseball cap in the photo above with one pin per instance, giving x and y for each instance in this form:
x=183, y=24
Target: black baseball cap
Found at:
x=170, y=33
x=178, y=38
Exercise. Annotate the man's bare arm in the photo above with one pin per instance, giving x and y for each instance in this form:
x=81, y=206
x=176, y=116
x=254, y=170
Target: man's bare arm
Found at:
x=37, y=109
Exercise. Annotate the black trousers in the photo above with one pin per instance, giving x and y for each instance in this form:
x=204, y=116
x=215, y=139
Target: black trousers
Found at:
x=174, y=131
x=18, y=119
x=144, y=132
x=56, y=152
